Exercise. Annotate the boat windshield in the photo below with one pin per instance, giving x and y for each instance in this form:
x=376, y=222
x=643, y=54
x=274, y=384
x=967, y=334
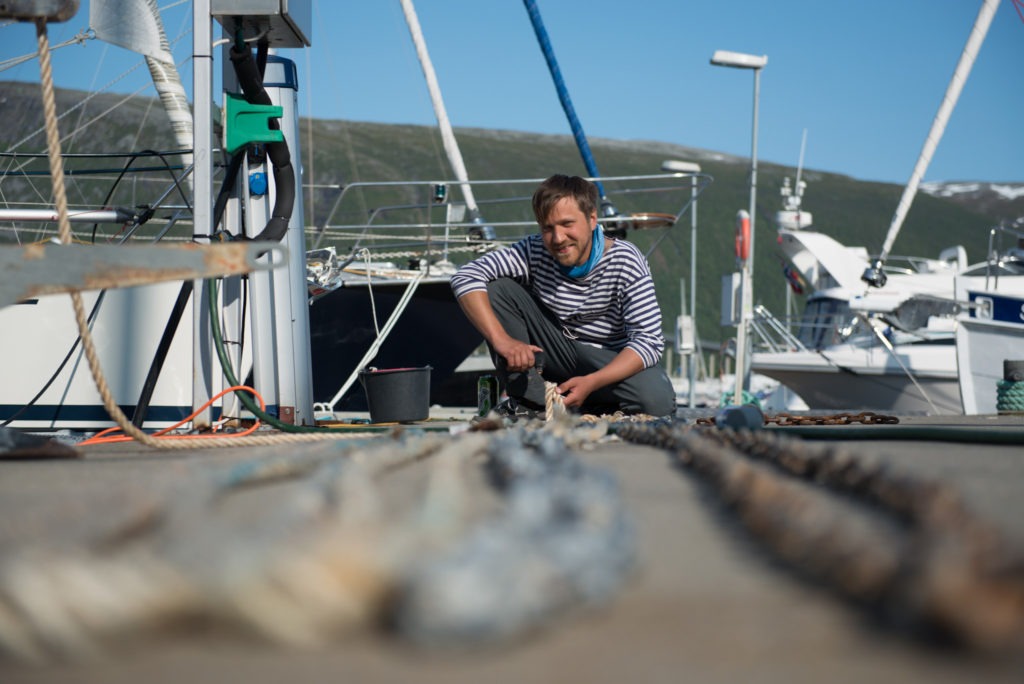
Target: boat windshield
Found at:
x=827, y=321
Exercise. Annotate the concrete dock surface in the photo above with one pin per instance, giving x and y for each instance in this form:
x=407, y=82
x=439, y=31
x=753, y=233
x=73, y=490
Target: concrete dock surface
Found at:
x=706, y=600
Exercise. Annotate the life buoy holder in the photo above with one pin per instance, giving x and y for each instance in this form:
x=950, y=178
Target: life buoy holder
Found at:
x=742, y=235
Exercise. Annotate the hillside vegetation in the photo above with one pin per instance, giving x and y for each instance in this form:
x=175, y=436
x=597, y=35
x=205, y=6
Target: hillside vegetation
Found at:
x=854, y=212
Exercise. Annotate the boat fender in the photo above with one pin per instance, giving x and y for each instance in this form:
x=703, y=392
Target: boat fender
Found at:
x=744, y=417
x=742, y=235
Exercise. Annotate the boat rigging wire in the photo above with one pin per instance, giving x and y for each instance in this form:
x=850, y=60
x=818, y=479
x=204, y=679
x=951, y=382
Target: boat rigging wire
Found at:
x=89, y=97
x=78, y=39
x=892, y=352
x=403, y=302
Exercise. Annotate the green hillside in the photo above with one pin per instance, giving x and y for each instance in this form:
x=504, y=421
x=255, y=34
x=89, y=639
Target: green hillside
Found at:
x=854, y=212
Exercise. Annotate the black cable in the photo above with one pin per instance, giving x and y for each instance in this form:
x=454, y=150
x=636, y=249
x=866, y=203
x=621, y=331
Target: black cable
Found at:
x=157, y=365
x=251, y=82
x=262, y=50
x=174, y=320
x=148, y=213
x=177, y=181
x=230, y=177
x=60, y=367
x=110, y=193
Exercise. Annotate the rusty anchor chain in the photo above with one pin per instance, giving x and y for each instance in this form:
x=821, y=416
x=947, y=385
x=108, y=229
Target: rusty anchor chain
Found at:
x=927, y=562
x=786, y=419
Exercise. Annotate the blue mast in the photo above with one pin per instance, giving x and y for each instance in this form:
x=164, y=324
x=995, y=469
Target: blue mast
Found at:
x=570, y=112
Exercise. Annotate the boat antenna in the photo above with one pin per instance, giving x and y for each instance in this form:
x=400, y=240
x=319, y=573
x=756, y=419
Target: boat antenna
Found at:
x=874, y=275
x=800, y=162
x=608, y=209
x=451, y=146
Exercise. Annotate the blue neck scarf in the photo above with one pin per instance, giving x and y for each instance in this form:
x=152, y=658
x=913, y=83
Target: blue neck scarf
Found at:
x=596, y=252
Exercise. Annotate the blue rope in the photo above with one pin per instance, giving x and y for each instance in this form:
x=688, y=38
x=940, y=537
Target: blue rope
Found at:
x=563, y=93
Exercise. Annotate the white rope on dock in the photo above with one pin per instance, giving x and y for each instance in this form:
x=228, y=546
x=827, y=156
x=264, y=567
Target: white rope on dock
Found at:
x=554, y=403
x=332, y=553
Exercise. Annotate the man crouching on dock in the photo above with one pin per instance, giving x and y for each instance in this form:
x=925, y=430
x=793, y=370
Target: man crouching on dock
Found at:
x=586, y=301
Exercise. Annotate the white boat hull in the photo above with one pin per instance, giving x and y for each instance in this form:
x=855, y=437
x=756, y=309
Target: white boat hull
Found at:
x=36, y=336
x=852, y=377
x=987, y=334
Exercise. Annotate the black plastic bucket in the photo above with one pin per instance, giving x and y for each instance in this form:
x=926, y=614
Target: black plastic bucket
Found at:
x=397, y=395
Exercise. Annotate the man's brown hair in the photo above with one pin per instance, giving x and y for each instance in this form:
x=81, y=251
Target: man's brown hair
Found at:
x=560, y=185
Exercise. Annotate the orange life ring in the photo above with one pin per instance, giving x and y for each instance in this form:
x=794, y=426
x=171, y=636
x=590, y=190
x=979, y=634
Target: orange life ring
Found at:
x=742, y=236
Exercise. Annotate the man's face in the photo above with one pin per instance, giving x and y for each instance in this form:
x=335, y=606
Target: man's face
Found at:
x=568, y=233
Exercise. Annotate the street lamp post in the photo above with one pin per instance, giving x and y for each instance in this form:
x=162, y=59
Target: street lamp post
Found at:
x=739, y=60
x=691, y=168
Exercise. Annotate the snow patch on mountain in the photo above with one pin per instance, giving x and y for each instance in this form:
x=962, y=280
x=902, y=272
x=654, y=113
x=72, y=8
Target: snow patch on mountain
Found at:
x=1006, y=191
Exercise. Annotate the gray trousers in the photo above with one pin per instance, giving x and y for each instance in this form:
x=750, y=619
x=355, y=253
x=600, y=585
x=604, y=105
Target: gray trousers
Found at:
x=526, y=319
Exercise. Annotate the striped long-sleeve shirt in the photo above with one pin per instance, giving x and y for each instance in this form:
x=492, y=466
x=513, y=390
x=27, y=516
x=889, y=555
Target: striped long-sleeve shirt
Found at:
x=614, y=306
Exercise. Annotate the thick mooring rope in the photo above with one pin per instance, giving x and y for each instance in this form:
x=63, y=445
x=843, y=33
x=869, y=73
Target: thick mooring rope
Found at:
x=554, y=404
x=564, y=538
x=1010, y=396
x=332, y=553
x=948, y=573
x=64, y=231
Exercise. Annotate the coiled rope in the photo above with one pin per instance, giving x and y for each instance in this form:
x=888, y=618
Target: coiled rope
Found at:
x=1010, y=396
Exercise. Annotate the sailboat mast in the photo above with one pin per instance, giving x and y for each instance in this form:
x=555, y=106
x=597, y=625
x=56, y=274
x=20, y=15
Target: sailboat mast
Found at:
x=567, y=106
x=451, y=147
x=874, y=275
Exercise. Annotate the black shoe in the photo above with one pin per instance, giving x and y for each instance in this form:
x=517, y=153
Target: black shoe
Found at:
x=514, y=410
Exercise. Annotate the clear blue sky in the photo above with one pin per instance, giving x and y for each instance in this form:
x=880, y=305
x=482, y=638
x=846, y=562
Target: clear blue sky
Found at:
x=864, y=78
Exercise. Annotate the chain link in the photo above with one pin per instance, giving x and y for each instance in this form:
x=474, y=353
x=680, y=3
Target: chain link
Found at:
x=864, y=417
x=788, y=419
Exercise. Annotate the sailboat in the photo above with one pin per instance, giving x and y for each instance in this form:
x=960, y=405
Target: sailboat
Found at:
x=382, y=300
x=430, y=224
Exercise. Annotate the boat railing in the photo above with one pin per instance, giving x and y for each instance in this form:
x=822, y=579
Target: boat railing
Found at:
x=112, y=197
x=772, y=334
x=422, y=222
x=1002, y=258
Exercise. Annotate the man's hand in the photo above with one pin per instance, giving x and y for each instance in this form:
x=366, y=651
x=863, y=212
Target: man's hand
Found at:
x=518, y=355
x=575, y=391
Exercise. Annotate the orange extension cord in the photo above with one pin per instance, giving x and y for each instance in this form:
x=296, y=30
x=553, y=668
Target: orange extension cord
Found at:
x=106, y=436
